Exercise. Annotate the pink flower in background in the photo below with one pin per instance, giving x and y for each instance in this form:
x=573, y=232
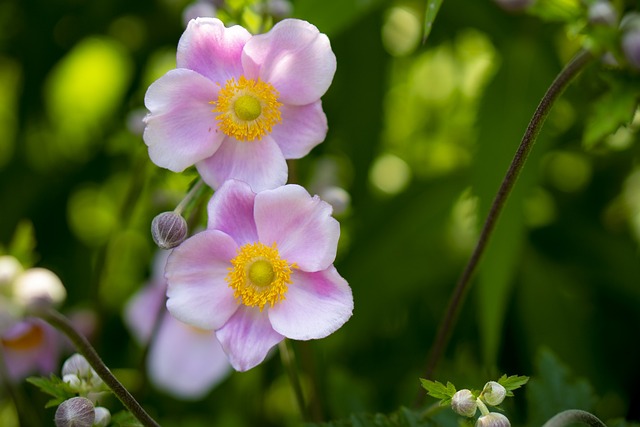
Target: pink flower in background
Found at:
x=238, y=105
x=30, y=347
x=261, y=271
x=183, y=361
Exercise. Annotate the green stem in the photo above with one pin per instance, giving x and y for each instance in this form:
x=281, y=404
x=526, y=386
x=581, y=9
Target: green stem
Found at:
x=573, y=68
x=192, y=195
x=574, y=416
x=83, y=346
x=288, y=361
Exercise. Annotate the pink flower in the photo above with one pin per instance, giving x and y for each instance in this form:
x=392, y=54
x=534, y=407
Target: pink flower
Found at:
x=261, y=271
x=30, y=346
x=238, y=105
x=183, y=361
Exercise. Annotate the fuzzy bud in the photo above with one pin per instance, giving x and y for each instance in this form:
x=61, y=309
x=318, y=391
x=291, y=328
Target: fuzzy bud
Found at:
x=493, y=393
x=168, y=230
x=103, y=417
x=39, y=286
x=514, y=5
x=75, y=412
x=603, y=13
x=464, y=403
x=493, y=419
x=76, y=365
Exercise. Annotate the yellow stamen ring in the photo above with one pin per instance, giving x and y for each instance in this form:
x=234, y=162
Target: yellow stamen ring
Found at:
x=248, y=109
x=30, y=339
x=259, y=276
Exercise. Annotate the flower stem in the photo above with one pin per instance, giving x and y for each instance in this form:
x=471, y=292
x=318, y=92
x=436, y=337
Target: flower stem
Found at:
x=191, y=196
x=572, y=69
x=288, y=360
x=574, y=416
x=83, y=346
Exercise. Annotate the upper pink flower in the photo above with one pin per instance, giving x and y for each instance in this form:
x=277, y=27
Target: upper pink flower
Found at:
x=260, y=272
x=238, y=105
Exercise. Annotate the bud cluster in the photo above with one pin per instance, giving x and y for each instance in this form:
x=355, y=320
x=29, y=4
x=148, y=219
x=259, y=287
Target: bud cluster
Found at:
x=82, y=410
x=464, y=402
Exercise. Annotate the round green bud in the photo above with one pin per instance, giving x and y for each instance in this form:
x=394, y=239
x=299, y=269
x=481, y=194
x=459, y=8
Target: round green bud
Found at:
x=493, y=393
x=493, y=419
x=464, y=403
x=75, y=412
x=168, y=230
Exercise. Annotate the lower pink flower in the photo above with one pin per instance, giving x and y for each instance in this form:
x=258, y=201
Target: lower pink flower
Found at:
x=29, y=347
x=262, y=271
x=183, y=361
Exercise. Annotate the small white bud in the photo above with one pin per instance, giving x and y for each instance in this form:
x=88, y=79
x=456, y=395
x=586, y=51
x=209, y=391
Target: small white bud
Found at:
x=493, y=393
x=38, y=286
x=493, y=419
x=73, y=381
x=77, y=365
x=168, y=229
x=464, y=403
x=603, y=13
x=75, y=412
x=103, y=417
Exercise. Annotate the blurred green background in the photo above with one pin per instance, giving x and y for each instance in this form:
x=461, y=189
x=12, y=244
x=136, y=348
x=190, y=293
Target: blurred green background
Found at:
x=419, y=136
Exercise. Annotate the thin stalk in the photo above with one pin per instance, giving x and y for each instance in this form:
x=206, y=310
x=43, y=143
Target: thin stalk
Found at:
x=192, y=196
x=288, y=360
x=572, y=69
x=83, y=346
x=574, y=416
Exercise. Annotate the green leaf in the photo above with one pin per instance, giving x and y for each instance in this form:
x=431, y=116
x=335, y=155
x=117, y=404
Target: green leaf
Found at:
x=23, y=244
x=432, y=9
x=612, y=110
x=553, y=389
x=438, y=390
x=333, y=16
x=557, y=10
x=512, y=382
x=53, y=386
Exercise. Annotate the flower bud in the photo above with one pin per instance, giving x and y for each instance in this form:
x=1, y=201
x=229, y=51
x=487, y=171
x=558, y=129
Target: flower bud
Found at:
x=514, y=5
x=603, y=13
x=77, y=365
x=103, y=417
x=73, y=381
x=493, y=419
x=493, y=393
x=168, y=230
x=75, y=412
x=39, y=286
x=464, y=403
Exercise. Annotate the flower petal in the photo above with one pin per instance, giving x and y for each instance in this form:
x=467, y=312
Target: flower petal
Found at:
x=142, y=309
x=258, y=163
x=301, y=226
x=317, y=304
x=198, y=293
x=231, y=211
x=247, y=338
x=295, y=58
x=181, y=128
x=301, y=129
x=186, y=362
x=212, y=50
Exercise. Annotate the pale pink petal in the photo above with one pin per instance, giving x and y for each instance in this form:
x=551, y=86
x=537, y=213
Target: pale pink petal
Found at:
x=301, y=129
x=295, y=58
x=181, y=128
x=212, y=50
x=247, y=338
x=316, y=305
x=198, y=293
x=40, y=357
x=300, y=225
x=231, y=211
x=186, y=362
x=142, y=310
x=259, y=163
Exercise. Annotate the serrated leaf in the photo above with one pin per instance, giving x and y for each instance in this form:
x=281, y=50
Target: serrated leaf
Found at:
x=612, y=110
x=438, y=390
x=513, y=382
x=53, y=386
x=431, y=11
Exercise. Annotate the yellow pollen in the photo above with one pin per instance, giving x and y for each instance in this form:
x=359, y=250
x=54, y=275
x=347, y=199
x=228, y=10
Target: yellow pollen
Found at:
x=247, y=109
x=30, y=339
x=259, y=276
